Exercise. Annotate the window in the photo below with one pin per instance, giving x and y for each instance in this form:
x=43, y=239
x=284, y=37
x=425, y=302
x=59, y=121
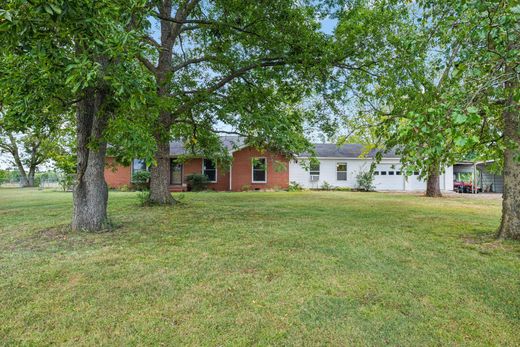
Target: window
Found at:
x=398, y=173
x=416, y=173
x=259, y=170
x=314, y=169
x=209, y=169
x=376, y=173
x=138, y=165
x=391, y=173
x=341, y=171
x=383, y=173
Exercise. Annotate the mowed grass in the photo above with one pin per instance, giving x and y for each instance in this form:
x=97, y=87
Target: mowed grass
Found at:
x=240, y=269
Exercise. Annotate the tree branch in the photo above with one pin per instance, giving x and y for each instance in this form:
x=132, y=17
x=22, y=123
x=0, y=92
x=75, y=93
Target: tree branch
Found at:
x=225, y=80
x=205, y=22
x=180, y=17
x=147, y=64
x=192, y=61
x=151, y=41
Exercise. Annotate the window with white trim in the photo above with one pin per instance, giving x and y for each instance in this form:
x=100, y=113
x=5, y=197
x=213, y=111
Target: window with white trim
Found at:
x=259, y=170
x=209, y=169
x=314, y=171
x=138, y=165
x=341, y=171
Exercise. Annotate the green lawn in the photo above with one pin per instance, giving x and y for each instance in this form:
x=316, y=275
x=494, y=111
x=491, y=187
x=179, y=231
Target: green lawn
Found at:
x=310, y=268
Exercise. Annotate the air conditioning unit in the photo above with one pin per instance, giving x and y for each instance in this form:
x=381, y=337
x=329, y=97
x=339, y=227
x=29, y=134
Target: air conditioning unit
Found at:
x=315, y=178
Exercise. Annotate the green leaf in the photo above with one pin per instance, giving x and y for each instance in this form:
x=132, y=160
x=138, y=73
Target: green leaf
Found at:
x=460, y=141
x=472, y=109
x=459, y=118
x=6, y=15
x=55, y=8
x=48, y=9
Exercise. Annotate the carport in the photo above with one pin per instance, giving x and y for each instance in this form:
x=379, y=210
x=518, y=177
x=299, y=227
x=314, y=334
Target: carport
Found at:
x=482, y=173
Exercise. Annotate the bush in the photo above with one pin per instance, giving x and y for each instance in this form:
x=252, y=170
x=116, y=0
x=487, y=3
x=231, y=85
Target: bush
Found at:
x=365, y=181
x=66, y=182
x=343, y=189
x=294, y=187
x=144, y=197
x=37, y=180
x=124, y=188
x=326, y=186
x=246, y=188
x=141, y=180
x=197, y=182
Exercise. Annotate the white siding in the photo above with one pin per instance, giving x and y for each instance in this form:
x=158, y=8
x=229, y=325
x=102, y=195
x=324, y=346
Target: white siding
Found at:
x=300, y=175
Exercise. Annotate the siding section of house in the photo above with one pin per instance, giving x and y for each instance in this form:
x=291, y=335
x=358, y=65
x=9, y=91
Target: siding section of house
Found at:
x=277, y=170
x=117, y=175
x=328, y=174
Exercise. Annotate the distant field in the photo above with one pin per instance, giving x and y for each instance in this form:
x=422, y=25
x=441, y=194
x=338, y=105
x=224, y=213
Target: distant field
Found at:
x=287, y=269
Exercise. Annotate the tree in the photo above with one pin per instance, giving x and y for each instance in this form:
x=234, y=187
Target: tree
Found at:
x=76, y=56
x=245, y=65
x=27, y=151
x=492, y=73
x=450, y=88
x=35, y=146
x=485, y=103
x=400, y=91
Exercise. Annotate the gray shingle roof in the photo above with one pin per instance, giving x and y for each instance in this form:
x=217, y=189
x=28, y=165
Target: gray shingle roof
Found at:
x=230, y=142
x=323, y=150
x=331, y=150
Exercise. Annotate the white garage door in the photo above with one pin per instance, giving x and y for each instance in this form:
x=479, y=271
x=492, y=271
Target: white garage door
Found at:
x=387, y=177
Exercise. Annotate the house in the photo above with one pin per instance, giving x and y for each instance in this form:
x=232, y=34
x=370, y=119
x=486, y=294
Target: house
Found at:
x=339, y=167
x=252, y=169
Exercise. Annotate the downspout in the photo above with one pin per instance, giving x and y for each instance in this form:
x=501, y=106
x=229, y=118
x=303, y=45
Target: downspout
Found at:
x=230, y=177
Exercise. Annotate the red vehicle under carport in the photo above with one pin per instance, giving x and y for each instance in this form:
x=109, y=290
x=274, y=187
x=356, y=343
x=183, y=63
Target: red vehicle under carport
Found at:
x=465, y=187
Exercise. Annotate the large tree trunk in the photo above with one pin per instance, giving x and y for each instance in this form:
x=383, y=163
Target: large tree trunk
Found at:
x=13, y=149
x=433, y=188
x=30, y=176
x=24, y=180
x=510, y=225
x=90, y=191
x=159, y=175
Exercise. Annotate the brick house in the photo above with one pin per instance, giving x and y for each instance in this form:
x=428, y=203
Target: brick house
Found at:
x=250, y=169
x=255, y=170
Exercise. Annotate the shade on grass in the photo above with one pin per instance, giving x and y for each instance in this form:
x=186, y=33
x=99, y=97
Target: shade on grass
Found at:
x=311, y=268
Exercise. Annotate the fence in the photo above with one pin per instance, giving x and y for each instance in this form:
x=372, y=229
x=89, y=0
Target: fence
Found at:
x=61, y=182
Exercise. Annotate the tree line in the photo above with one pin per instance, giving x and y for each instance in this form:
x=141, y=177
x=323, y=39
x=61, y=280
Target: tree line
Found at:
x=436, y=79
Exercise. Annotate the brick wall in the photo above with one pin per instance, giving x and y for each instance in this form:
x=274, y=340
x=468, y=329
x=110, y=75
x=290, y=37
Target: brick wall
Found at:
x=242, y=170
x=195, y=166
x=116, y=175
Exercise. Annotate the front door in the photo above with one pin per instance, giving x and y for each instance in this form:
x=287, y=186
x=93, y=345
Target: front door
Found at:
x=175, y=173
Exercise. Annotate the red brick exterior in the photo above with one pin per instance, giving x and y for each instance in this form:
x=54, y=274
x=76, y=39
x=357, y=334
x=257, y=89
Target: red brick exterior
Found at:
x=192, y=166
x=242, y=174
x=117, y=175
